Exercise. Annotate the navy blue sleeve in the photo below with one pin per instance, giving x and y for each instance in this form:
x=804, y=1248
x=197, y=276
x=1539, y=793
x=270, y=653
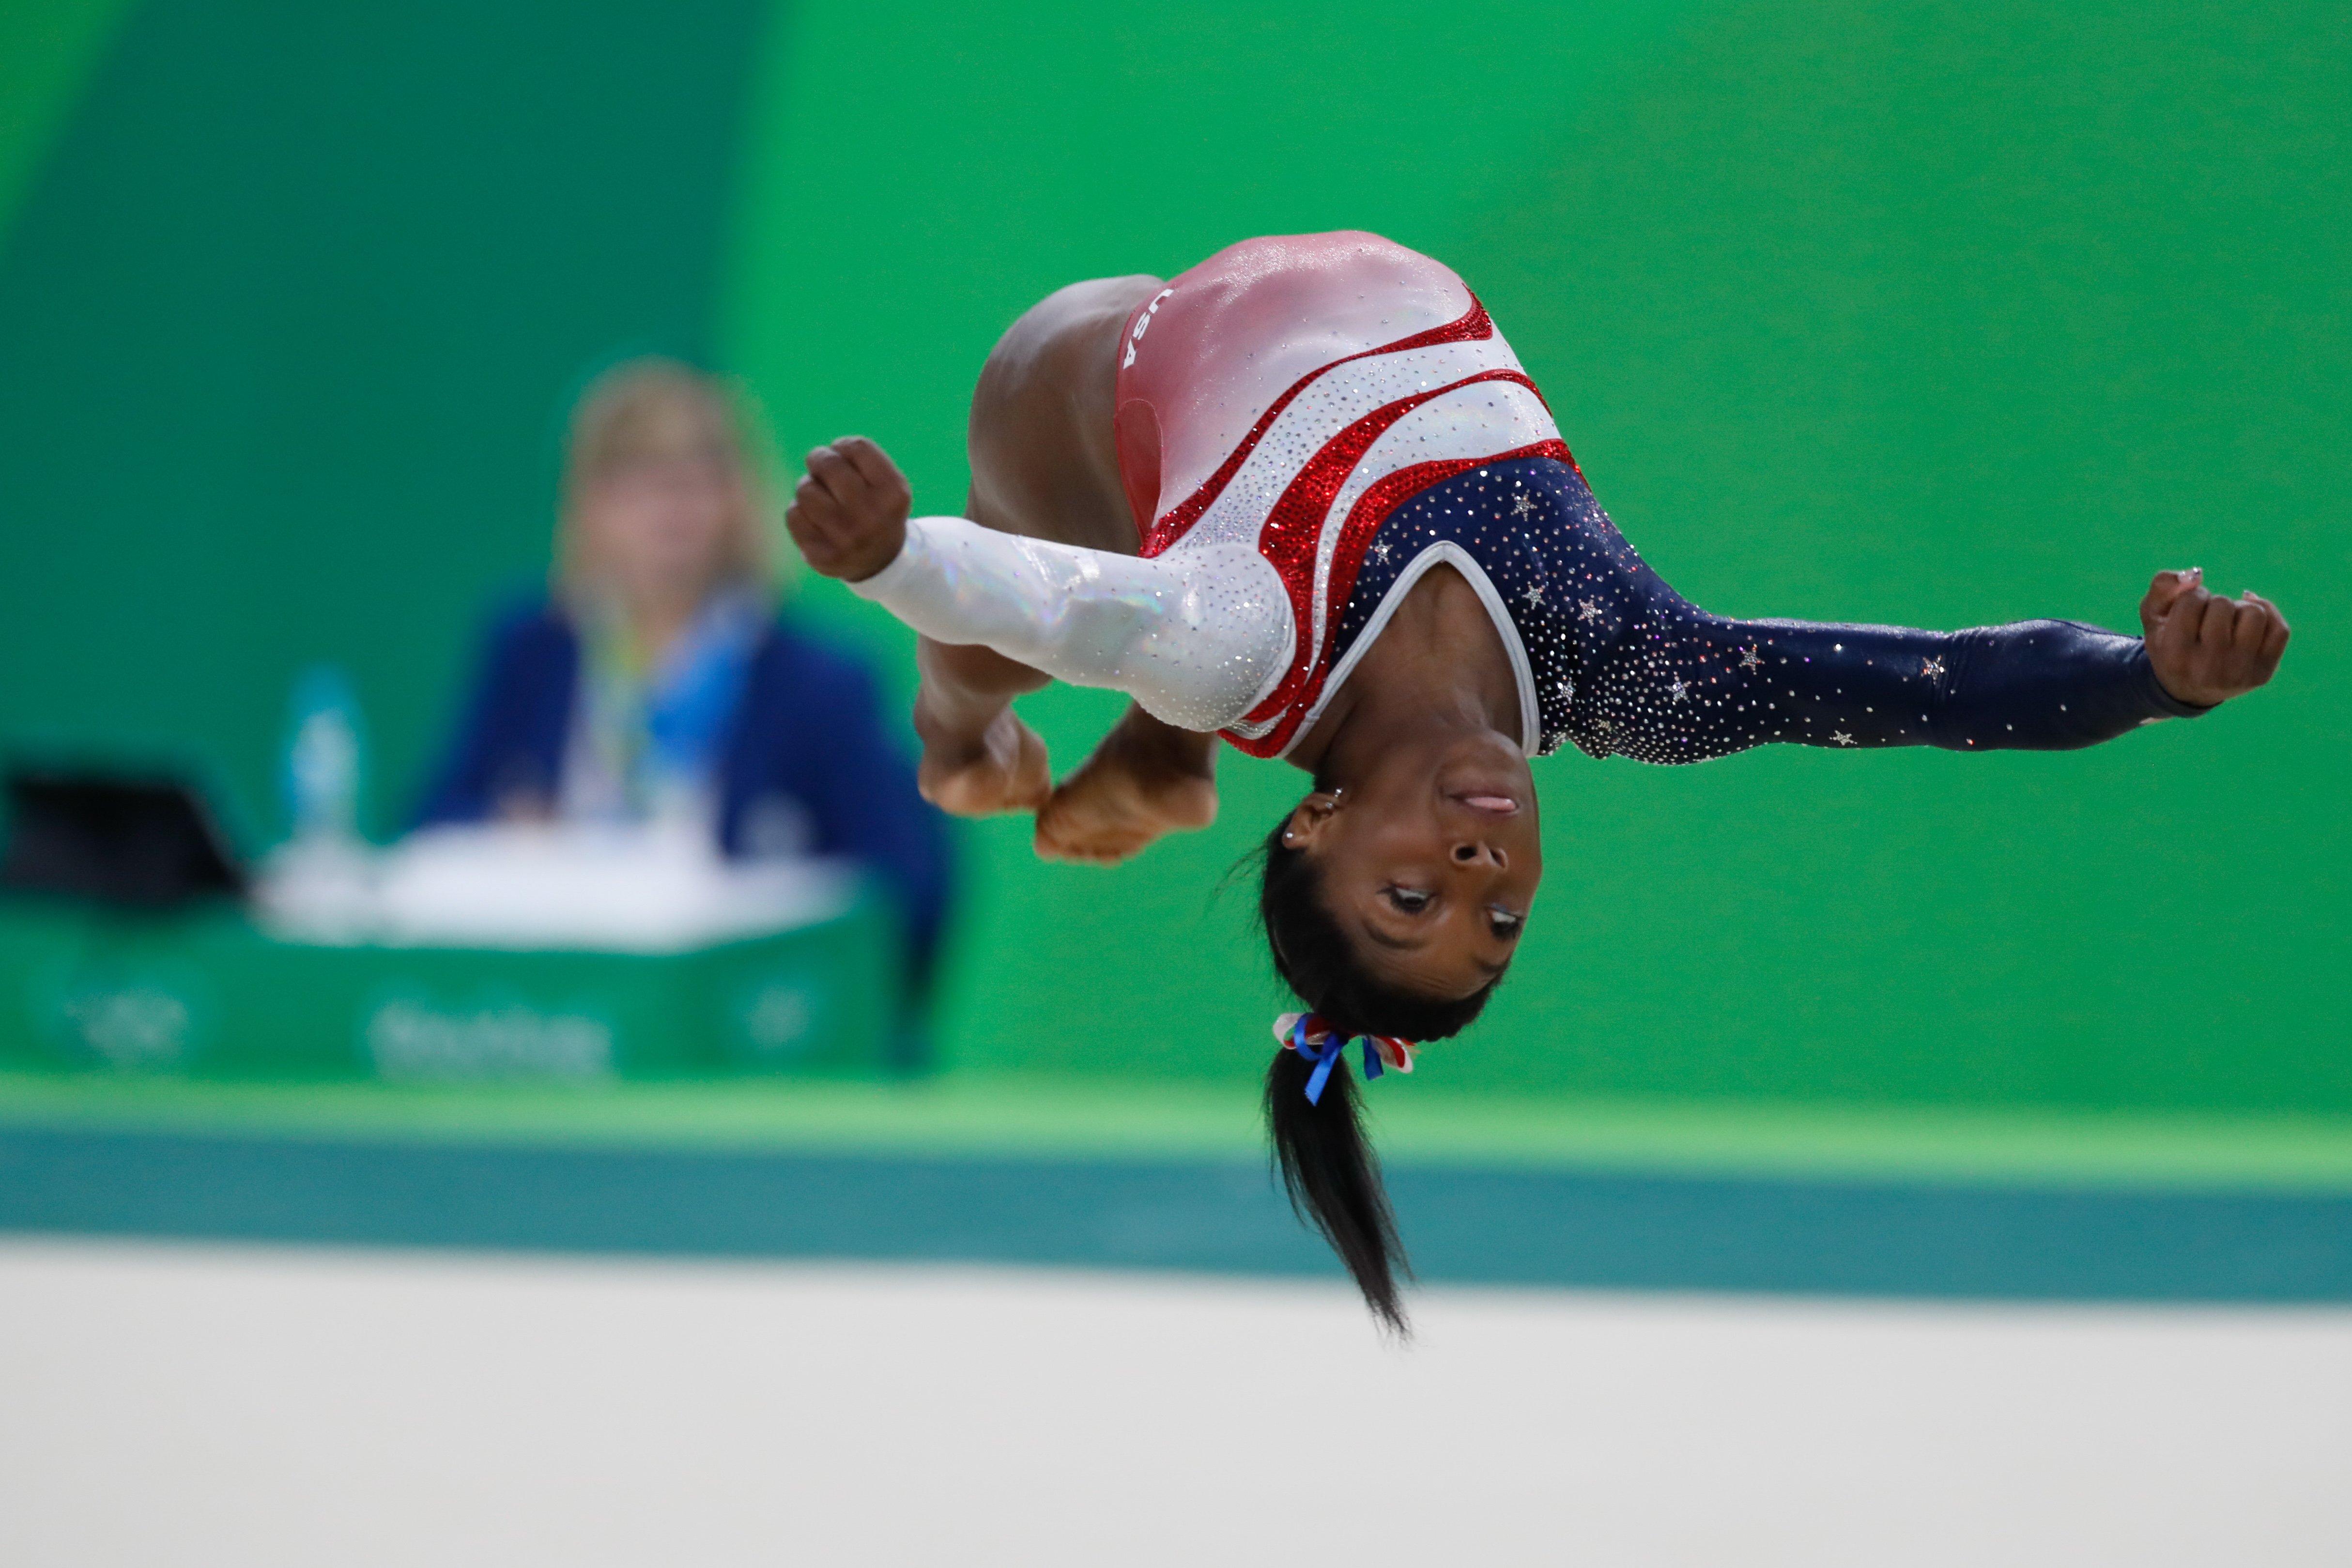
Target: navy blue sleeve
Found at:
x=812, y=729
x=1662, y=680
x=510, y=740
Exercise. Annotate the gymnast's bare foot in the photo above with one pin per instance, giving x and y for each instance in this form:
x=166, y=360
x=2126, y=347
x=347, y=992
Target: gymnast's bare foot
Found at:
x=1002, y=769
x=1145, y=781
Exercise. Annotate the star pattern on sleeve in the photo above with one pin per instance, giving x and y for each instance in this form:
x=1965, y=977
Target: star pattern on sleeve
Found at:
x=1620, y=665
x=1615, y=661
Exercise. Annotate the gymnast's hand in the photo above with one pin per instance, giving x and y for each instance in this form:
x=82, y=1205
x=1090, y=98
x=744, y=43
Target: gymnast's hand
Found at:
x=849, y=513
x=2206, y=648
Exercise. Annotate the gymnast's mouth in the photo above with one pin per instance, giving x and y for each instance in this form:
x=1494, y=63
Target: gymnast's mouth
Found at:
x=1490, y=805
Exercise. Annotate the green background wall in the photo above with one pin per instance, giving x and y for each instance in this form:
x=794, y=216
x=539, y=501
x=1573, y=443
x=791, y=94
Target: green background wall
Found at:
x=1939, y=315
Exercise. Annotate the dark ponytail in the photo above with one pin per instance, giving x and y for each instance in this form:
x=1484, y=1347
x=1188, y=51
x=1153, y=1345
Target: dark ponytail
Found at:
x=1334, y=1178
x=1328, y=1169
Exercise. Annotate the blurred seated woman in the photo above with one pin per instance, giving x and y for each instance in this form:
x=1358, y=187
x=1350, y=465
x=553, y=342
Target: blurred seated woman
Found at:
x=656, y=684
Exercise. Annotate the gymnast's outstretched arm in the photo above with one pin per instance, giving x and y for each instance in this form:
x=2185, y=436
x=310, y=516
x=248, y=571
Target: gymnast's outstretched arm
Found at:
x=1092, y=618
x=1194, y=659
x=1662, y=680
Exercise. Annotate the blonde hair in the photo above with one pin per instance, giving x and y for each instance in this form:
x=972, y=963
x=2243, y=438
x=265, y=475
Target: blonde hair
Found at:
x=659, y=408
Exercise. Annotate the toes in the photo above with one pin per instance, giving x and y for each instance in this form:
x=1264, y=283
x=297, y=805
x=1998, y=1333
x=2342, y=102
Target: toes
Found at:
x=978, y=790
x=1055, y=840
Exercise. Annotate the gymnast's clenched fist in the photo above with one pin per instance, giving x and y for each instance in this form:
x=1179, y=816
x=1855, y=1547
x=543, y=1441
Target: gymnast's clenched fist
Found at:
x=2206, y=648
x=849, y=511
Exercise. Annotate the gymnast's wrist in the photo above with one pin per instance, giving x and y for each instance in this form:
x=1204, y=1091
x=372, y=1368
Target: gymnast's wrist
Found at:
x=2161, y=696
x=879, y=584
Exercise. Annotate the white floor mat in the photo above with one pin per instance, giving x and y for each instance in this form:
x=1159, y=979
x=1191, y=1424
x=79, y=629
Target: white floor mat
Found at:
x=166, y=1405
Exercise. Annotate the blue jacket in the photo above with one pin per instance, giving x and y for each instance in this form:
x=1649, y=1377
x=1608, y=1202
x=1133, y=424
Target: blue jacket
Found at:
x=808, y=730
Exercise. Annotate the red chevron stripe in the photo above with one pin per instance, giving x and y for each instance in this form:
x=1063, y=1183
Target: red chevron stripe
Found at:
x=1304, y=681
x=1472, y=326
x=1294, y=526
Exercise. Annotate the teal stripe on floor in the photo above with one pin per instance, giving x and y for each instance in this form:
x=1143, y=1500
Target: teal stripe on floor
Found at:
x=1464, y=1223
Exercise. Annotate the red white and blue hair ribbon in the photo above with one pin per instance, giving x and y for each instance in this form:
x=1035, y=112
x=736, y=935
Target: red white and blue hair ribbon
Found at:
x=1318, y=1042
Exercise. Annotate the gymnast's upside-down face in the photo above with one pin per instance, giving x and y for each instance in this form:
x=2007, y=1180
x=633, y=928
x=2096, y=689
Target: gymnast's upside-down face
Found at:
x=1430, y=862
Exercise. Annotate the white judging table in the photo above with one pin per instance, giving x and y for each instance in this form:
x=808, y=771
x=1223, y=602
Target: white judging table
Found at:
x=649, y=890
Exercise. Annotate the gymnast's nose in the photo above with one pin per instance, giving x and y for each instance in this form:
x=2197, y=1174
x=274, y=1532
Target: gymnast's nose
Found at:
x=1481, y=853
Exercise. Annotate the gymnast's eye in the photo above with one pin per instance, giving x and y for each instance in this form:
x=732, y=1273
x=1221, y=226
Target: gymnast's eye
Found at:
x=1411, y=901
x=1504, y=924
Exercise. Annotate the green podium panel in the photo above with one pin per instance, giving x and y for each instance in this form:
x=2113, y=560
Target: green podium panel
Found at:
x=212, y=993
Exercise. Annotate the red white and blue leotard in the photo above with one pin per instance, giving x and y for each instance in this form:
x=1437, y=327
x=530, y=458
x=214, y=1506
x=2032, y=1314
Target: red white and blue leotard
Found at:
x=1290, y=392
x=1306, y=426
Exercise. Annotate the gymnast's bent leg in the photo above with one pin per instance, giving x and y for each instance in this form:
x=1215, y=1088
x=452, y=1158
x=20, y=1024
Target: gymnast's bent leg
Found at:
x=1045, y=465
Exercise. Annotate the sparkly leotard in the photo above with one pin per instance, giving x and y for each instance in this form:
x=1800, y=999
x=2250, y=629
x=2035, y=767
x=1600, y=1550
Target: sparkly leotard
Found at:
x=1611, y=658
x=1290, y=394
x=1307, y=426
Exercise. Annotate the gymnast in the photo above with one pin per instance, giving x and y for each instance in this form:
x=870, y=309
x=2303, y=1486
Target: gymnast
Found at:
x=1303, y=497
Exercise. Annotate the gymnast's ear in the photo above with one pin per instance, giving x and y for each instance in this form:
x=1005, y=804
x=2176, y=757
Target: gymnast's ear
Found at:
x=1311, y=819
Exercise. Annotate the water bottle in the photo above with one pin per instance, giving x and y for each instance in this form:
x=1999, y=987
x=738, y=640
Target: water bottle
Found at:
x=325, y=760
